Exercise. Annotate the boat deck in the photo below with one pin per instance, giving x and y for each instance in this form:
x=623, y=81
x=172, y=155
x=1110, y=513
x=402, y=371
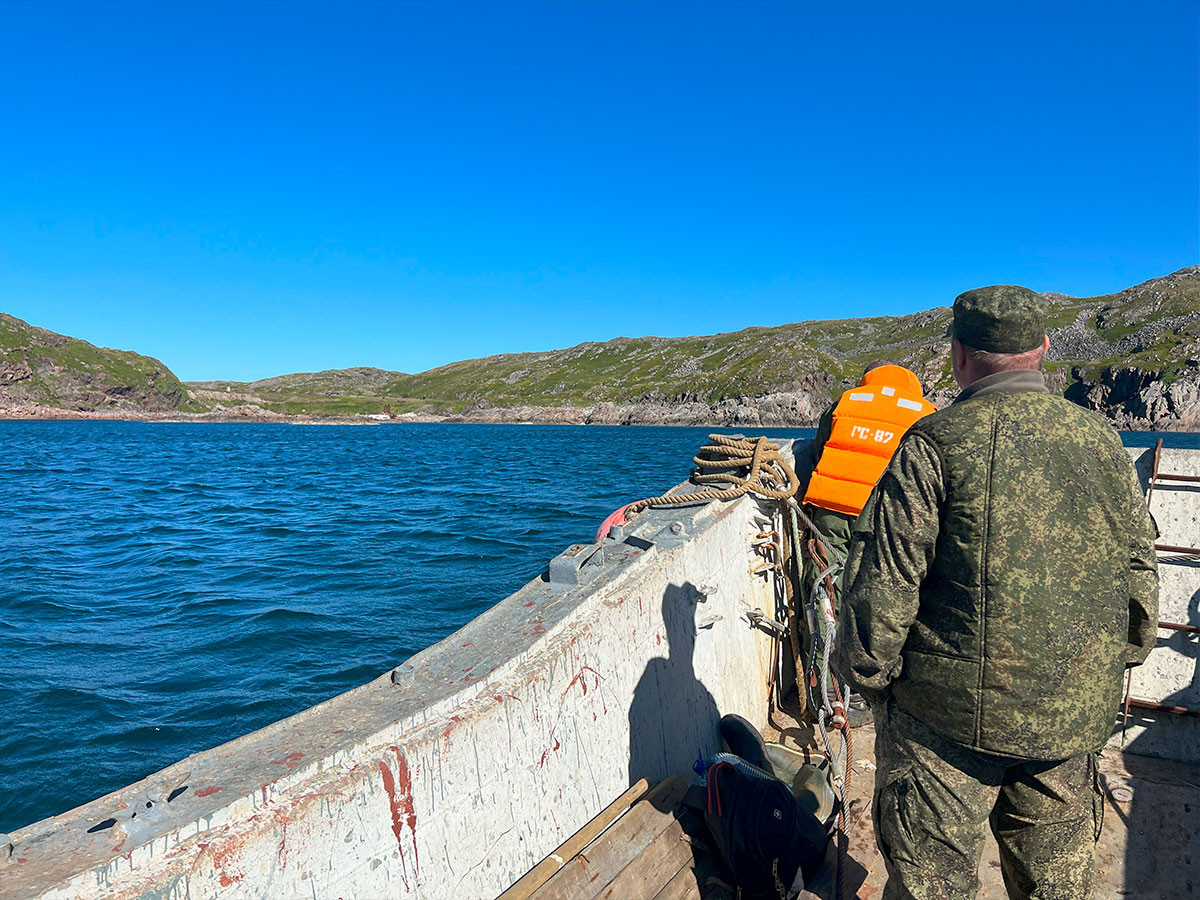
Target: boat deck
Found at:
x=647, y=845
x=655, y=847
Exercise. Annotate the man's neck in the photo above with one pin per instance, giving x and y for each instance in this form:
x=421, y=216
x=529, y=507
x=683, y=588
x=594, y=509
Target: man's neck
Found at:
x=1010, y=382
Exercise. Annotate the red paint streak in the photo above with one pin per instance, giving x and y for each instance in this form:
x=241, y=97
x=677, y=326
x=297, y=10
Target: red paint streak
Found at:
x=404, y=814
x=539, y=629
x=531, y=603
x=449, y=729
x=264, y=794
x=579, y=677
x=658, y=640
x=340, y=731
x=548, y=751
x=500, y=698
x=283, y=817
x=226, y=852
x=291, y=760
x=208, y=791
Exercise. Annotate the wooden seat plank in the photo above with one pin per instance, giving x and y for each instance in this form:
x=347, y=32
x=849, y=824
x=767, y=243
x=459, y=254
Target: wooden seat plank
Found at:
x=646, y=875
x=684, y=886
x=590, y=871
x=529, y=884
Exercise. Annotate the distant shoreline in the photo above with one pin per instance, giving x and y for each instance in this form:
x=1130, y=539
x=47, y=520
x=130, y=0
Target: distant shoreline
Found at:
x=44, y=414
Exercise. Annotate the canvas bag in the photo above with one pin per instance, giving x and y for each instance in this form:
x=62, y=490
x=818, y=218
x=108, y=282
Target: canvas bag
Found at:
x=761, y=832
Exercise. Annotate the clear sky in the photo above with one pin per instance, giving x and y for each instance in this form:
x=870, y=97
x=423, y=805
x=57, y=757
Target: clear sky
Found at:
x=244, y=189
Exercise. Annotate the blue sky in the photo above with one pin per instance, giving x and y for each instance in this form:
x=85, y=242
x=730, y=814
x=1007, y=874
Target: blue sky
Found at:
x=246, y=189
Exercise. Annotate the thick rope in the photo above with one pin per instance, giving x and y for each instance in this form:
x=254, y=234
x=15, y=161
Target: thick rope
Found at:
x=769, y=476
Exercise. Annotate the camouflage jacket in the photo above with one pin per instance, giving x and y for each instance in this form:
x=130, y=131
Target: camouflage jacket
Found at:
x=1003, y=574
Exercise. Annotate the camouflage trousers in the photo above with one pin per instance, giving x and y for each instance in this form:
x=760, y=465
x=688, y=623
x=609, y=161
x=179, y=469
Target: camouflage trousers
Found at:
x=933, y=796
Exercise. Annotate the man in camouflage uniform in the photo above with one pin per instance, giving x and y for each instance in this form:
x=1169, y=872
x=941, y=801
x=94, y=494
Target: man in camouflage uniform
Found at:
x=1000, y=579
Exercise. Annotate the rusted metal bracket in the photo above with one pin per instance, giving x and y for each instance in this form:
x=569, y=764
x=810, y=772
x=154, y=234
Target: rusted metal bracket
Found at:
x=1150, y=704
x=1175, y=626
x=1163, y=707
x=1168, y=548
x=1156, y=475
x=759, y=619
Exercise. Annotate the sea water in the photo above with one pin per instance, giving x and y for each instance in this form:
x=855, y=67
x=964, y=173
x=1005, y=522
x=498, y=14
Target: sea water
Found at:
x=168, y=587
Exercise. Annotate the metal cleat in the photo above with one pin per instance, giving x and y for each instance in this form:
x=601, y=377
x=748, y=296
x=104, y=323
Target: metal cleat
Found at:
x=568, y=567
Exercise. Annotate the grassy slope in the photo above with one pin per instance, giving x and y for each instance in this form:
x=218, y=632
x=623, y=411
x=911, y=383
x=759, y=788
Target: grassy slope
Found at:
x=69, y=373
x=824, y=355
x=1154, y=326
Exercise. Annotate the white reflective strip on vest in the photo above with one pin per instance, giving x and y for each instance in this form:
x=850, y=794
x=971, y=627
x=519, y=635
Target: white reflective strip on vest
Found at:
x=888, y=392
x=908, y=404
x=858, y=396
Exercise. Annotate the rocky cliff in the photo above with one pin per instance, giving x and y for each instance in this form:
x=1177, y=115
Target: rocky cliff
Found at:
x=40, y=370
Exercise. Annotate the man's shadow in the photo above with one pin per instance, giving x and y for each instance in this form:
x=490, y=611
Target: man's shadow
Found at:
x=672, y=720
x=673, y=717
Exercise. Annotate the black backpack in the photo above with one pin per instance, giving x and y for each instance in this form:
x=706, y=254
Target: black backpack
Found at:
x=762, y=834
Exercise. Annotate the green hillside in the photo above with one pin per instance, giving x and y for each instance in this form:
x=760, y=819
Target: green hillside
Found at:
x=1105, y=350
x=40, y=367
x=1153, y=326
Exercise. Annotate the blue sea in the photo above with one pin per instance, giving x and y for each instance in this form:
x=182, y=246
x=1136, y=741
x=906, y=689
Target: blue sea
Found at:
x=167, y=587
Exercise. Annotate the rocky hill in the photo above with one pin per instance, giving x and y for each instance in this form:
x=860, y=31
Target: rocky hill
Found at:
x=40, y=369
x=1134, y=356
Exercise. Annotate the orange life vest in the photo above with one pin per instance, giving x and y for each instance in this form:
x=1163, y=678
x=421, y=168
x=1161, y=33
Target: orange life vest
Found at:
x=868, y=422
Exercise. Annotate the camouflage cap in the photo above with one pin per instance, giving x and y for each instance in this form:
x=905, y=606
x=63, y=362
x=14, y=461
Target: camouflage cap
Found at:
x=1002, y=318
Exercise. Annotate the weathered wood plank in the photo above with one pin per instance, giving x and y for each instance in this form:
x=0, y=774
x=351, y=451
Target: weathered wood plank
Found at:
x=684, y=886
x=544, y=871
x=645, y=876
x=590, y=871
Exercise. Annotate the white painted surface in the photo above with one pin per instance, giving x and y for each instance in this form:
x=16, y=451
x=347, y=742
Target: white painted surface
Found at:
x=1171, y=675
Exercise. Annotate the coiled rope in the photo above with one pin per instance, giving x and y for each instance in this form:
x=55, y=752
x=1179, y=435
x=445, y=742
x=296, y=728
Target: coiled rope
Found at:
x=770, y=474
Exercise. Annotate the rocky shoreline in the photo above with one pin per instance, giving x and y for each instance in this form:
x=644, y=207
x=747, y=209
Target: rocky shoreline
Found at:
x=1129, y=399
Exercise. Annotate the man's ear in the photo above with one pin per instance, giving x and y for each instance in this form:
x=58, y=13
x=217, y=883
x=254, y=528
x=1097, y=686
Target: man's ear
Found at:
x=957, y=356
x=1045, y=343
